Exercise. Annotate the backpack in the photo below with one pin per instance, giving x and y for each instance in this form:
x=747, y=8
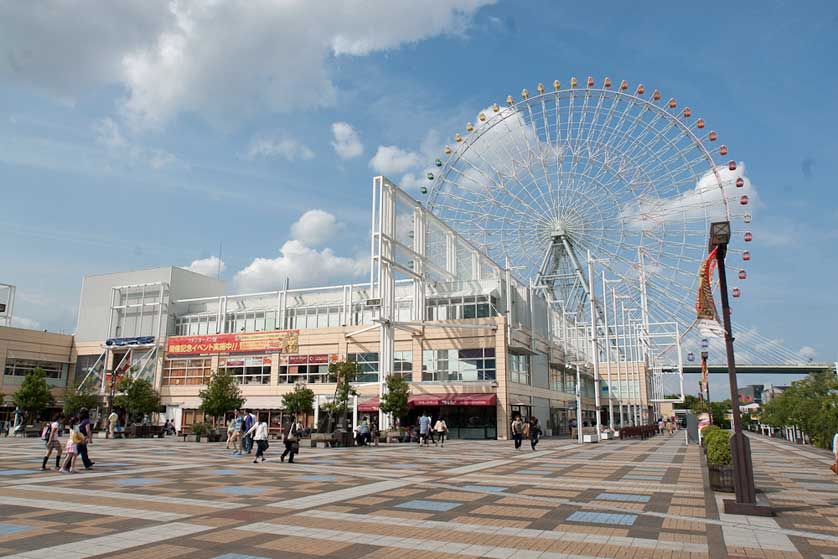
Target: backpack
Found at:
x=518, y=427
x=46, y=432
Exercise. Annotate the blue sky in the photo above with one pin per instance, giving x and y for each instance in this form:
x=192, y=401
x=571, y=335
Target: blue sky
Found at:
x=146, y=135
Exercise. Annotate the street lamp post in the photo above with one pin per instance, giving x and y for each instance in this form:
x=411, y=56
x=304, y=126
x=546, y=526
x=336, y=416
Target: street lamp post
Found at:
x=743, y=469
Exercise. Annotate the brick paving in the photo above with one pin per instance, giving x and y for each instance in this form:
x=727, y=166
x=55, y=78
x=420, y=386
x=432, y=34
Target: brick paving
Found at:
x=617, y=499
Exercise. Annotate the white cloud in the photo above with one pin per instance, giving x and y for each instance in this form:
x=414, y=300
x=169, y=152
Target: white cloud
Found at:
x=347, y=142
x=208, y=57
x=315, y=228
x=705, y=201
x=303, y=265
x=287, y=148
x=207, y=266
x=807, y=353
x=390, y=160
x=110, y=135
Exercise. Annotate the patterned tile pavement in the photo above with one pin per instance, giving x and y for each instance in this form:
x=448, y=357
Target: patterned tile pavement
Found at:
x=618, y=499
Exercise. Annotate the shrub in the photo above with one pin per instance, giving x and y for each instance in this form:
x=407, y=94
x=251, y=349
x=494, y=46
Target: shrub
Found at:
x=718, y=447
x=709, y=429
x=199, y=429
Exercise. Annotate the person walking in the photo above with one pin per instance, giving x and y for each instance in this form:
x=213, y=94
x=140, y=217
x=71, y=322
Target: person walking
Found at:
x=534, y=432
x=50, y=437
x=259, y=433
x=71, y=448
x=86, y=430
x=517, y=428
x=247, y=440
x=292, y=441
x=113, y=421
x=363, y=437
x=231, y=429
x=238, y=422
x=835, y=452
x=424, y=428
x=441, y=429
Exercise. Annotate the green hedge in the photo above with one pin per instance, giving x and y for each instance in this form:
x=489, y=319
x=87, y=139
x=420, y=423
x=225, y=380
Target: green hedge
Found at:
x=709, y=429
x=718, y=447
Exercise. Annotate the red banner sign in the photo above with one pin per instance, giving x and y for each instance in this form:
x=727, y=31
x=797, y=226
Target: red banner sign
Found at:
x=284, y=341
x=317, y=359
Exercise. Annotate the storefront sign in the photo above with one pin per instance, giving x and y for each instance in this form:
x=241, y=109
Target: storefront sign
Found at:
x=318, y=359
x=285, y=341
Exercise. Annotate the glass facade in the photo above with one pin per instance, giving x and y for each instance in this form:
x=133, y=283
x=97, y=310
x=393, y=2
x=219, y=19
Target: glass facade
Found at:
x=519, y=368
x=22, y=367
x=368, y=363
x=186, y=371
x=440, y=365
x=306, y=369
x=458, y=308
x=248, y=369
x=403, y=364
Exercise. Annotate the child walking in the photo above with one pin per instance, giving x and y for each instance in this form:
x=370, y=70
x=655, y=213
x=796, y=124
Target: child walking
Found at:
x=71, y=450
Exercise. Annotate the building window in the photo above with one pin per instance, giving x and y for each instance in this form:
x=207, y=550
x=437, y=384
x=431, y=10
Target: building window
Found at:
x=248, y=370
x=403, y=364
x=186, y=371
x=519, y=368
x=466, y=365
x=22, y=367
x=368, y=363
x=456, y=308
x=306, y=369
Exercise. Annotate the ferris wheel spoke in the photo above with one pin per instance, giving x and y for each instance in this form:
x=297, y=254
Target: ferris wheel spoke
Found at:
x=524, y=162
x=620, y=175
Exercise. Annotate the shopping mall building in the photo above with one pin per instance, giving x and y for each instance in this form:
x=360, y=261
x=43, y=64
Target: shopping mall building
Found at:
x=477, y=345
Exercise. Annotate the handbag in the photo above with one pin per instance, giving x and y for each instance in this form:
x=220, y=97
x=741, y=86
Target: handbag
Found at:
x=834, y=468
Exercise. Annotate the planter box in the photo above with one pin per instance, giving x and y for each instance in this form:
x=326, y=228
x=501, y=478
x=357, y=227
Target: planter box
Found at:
x=721, y=477
x=606, y=436
x=589, y=438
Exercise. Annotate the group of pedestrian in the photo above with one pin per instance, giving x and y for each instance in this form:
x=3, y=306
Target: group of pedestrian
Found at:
x=667, y=424
x=248, y=428
x=80, y=435
x=525, y=430
x=432, y=432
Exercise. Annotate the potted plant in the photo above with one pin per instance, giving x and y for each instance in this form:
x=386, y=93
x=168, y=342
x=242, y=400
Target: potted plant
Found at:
x=719, y=460
x=199, y=430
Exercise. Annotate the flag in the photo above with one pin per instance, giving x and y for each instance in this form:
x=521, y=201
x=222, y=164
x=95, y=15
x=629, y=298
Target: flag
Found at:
x=707, y=318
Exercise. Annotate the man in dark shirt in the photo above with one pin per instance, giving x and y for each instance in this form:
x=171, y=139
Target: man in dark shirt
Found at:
x=86, y=429
x=247, y=440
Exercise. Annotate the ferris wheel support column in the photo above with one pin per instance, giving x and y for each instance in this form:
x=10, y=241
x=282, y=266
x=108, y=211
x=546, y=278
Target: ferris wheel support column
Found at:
x=644, y=316
x=594, y=345
x=607, y=352
x=620, y=397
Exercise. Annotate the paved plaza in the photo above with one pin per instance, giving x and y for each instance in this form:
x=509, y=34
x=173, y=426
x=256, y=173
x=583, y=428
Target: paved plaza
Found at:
x=625, y=499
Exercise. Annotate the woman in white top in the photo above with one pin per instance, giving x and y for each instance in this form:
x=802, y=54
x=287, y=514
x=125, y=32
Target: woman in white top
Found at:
x=260, y=437
x=440, y=428
x=835, y=450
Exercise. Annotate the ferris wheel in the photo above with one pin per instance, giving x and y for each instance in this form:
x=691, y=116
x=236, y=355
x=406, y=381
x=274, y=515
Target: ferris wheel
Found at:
x=603, y=168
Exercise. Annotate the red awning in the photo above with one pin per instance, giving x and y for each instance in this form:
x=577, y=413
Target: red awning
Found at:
x=474, y=399
x=369, y=405
x=423, y=400
x=479, y=399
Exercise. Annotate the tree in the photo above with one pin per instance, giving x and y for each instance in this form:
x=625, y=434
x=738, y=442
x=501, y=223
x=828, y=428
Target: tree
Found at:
x=299, y=400
x=79, y=397
x=136, y=396
x=221, y=395
x=33, y=396
x=394, y=400
x=810, y=404
x=345, y=373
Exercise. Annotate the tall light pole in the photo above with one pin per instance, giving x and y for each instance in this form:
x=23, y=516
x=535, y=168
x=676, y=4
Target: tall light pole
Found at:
x=594, y=345
x=608, y=348
x=743, y=469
